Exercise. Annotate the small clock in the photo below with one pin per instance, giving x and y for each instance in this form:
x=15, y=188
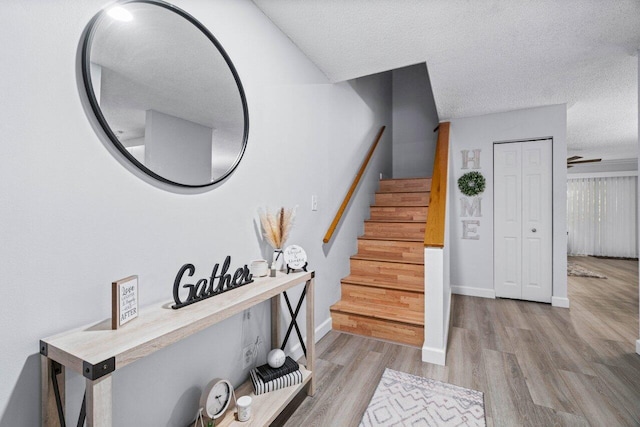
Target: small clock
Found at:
x=216, y=398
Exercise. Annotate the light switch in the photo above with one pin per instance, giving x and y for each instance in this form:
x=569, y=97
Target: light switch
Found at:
x=314, y=203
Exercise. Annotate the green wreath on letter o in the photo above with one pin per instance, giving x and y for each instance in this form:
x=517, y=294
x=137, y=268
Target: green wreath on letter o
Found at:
x=471, y=183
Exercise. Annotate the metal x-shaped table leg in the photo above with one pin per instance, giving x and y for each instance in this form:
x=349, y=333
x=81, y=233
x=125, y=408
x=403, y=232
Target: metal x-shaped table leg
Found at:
x=294, y=323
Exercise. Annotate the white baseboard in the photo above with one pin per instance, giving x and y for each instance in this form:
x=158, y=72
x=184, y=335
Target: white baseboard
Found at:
x=638, y=346
x=324, y=328
x=321, y=330
x=560, y=302
x=437, y=356
x=473, y=292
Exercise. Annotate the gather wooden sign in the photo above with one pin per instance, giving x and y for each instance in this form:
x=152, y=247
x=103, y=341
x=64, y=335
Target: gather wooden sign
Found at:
x=208, y=287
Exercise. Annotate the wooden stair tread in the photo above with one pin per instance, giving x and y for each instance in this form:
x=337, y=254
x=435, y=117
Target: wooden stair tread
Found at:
x=421, y=205
x=378, y=311
x=401, y=333
x=403, y=207
x=402, y=199
x=391, y=250
x=395, y=229
x=363, y=237
x=392, y=299
x=375, y=205
x=407, y=185
x=399, y=213
x=405, y=179
x=396, y=221
x=401, y=192
x=356, y=279
x=398, y=239
x=373, y=238
x=386, y=259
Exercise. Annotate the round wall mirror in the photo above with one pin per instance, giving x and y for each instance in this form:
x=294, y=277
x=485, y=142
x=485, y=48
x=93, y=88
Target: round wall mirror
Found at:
x=165, y=92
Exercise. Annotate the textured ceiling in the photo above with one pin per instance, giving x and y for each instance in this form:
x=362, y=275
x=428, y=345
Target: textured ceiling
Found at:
x=490, y=56
x=160, y=61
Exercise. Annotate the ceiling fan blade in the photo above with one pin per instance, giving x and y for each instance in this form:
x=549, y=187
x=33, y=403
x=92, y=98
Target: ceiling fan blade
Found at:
x=569, y=159
x=575, y=162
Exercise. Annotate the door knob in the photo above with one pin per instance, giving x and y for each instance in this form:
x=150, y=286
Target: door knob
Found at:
x=533, y=230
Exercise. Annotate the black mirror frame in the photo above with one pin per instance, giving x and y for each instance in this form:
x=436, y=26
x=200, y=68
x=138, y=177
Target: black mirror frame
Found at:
x=86, y=78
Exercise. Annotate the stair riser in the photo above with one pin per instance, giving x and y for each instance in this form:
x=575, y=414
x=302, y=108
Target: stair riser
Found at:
x=399, y=213
x=392, y=250
x=394, y=230
x=402, y=300
x=405, y=185
x=402, y=199
x=377, y=328
x=390, y=271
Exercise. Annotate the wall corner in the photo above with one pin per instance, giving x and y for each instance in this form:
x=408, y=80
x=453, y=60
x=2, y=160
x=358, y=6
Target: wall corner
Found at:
x=437, y=356
x=561, y=302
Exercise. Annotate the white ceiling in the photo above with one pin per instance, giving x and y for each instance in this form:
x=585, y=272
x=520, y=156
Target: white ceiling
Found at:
x=489, y=56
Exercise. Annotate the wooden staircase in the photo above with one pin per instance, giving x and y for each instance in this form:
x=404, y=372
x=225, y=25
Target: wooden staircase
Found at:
x=383, y=297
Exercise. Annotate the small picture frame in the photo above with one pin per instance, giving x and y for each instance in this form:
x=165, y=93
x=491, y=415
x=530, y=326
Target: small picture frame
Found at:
x=124, y=301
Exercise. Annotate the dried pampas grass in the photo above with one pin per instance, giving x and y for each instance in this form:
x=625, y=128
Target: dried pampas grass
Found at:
x=277, y=226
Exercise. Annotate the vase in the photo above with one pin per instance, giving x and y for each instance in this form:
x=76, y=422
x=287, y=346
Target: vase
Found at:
x=278, y=259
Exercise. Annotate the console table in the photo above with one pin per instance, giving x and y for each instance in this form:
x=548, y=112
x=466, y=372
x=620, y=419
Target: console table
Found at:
x=96, y=351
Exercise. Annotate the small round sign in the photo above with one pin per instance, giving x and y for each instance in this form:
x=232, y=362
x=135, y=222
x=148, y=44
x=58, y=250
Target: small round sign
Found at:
x=295, y=257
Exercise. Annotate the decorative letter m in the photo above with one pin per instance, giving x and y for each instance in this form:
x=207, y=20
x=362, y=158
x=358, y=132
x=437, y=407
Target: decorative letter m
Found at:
x=471, y=209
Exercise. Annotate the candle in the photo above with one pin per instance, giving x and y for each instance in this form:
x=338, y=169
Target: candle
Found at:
x=244, y=408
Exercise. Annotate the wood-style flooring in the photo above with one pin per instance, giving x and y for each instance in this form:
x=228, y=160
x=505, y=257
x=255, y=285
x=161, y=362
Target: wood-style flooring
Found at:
x=537, y=365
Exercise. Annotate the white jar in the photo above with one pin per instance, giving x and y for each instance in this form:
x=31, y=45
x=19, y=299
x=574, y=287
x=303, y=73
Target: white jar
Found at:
x=244, y=408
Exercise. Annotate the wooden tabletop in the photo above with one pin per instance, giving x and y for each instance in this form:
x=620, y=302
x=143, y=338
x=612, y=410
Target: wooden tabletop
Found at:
x=159, y=326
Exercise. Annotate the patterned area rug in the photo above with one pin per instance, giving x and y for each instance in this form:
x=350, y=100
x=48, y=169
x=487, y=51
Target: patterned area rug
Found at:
x=408, y=400
x=574, y=269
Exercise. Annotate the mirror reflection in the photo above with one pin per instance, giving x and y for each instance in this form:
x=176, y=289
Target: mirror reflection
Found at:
x=165, y=92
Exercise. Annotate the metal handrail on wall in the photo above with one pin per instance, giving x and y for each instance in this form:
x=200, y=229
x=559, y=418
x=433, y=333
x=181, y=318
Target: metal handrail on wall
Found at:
x=434, y=230
x=354, y=184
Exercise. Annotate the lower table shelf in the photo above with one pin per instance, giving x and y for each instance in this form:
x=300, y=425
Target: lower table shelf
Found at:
x=265, y=407
x=96, y=351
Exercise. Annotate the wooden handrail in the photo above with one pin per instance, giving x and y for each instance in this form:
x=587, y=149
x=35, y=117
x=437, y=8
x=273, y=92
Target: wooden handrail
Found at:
x=434, y=230
x=354, y=184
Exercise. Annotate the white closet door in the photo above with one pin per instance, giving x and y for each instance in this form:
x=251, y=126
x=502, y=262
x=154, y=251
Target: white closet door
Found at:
x=523, y=220
x=507, y=203
x=537, y=195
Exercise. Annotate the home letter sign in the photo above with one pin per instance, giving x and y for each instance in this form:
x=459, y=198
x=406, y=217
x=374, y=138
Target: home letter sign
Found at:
x=471, y=207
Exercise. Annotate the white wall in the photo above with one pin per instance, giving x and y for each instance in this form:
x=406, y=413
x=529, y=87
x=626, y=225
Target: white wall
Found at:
x=414, y=118
x=185, y=163
x=472, y=260
x=638, y=54
x=73, y=218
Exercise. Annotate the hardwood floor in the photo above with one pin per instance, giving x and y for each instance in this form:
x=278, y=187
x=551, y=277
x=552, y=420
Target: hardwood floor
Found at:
x=537, y=365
